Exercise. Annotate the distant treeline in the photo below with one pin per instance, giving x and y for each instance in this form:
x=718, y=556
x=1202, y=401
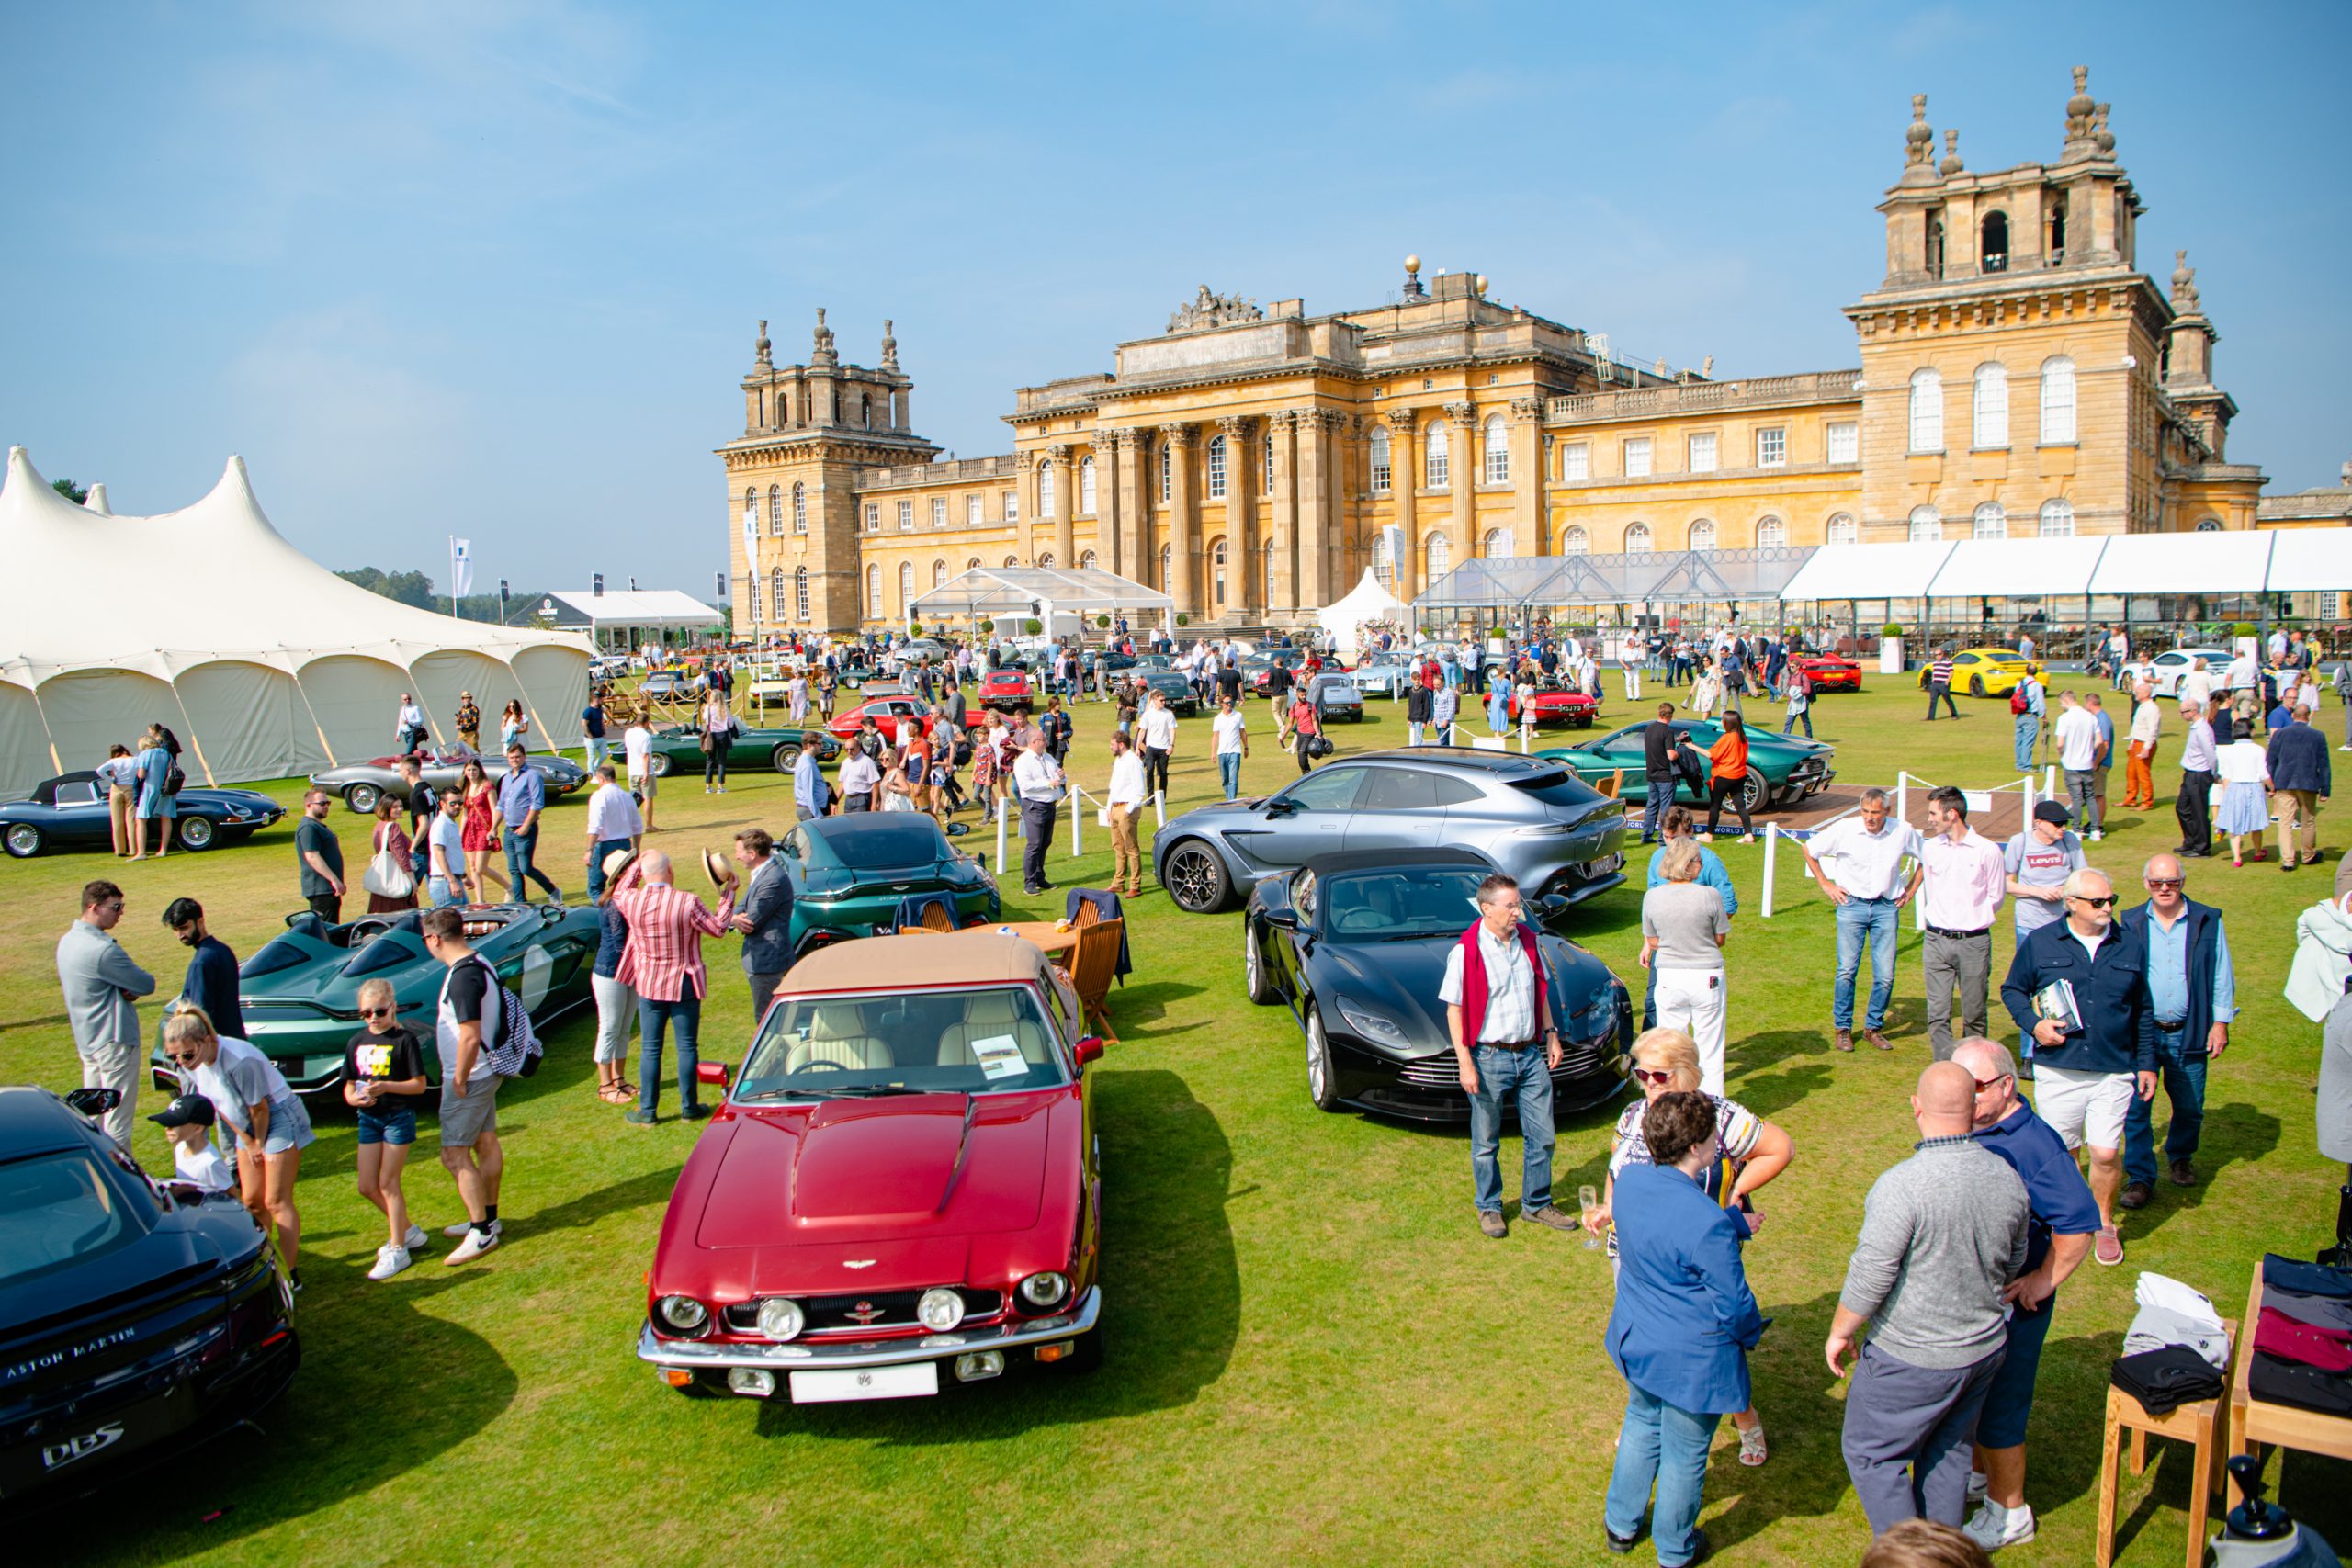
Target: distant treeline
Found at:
x=416, y=588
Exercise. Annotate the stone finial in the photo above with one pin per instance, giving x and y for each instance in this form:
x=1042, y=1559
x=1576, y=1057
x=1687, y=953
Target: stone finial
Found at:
x=2100, y=135
x=1920, y=136
x=762, y=350
x=889, y=346
x=823, y=351
x=2184, y=285
x=2079, y=110
x=1952, y=164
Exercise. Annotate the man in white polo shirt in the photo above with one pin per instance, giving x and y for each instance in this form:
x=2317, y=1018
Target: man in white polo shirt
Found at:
x=1857, y=861
x=2078, y=744
x=637, y=751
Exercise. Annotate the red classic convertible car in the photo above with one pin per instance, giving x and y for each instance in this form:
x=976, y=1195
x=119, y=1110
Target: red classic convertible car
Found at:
x=886, y=712
x=1558, y=705
x=900, y=1184
x=1831, y=672
x=1009, y=688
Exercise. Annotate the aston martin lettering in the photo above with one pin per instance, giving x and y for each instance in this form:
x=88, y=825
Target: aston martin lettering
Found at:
x=49, y=1358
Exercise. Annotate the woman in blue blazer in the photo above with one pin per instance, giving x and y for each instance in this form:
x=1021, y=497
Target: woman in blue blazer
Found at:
x=1683, y=1325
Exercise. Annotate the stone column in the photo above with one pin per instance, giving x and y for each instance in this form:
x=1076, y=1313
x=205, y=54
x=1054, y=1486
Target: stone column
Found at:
x=1183, y=519
x=1317, y=486
x=1106, y=502
x=1529, y=534
x=1242, y=589
x=1065, y=503
x=1461, y=473
x=1281, y=528
x=1134, y=532
x=1404, y=478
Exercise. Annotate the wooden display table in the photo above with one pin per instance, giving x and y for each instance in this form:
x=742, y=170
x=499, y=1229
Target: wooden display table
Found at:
x=2198, y=1424
x=2255, y=1420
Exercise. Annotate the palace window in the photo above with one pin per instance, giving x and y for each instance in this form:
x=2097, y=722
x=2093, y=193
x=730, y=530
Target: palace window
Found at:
x=1167, y=468
x=874, y=591
x=1989, y=522
x=1086, y=561
x=750, y=509
x=972, y=565
x=1637, y=540
x=1086, y=487
x=1927, y=526
x=1843, y=530
x=1266, y=469
x=1498, y=453
x=938, y=573
x=1047, y=560
x=1012, y=562
x=1045, y=489
x=1216, y=572
x=1575, y=541
x=1381, y=466
x=776, y=594
x=799, y=508
x=1773, y=448
x=1433, y=463
x=1993, y=251
x=1576, y=461
x=2057, y=520
x=775, y=508
x=800, y=594
x=1703, y=453
x=1384, y=560
x=2057, y=401
x=873, y=517
x=1772, y=534
x=906, y=516
x=1637, y=457
x=2204, y=524
x=751, y=596
x=1217, y=467
x=939, y=512
x=1927, y=411
x=866, y=409
x=1012, y=506
x=1845, y=442
x=1165, y=555
x=905, y=586
x=1437, y=557
x=1989, y=424
x=972, y=509
x=1703, y=535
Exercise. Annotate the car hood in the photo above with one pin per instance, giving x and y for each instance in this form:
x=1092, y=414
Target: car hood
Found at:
x=907, y=1168
x=1400, y=979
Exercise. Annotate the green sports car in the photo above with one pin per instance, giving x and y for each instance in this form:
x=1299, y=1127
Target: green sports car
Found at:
x=850, y=872
x=677, y=747
x=301, y=993
x=1781, y=768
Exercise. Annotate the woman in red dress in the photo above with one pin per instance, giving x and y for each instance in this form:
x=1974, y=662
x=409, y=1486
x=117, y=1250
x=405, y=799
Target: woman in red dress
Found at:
x=481, y=829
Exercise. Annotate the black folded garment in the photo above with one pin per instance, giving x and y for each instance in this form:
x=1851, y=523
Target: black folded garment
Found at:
x=2165, y=1380
x=2306, y=1279
x=2278, y=1382
x=2320, y=1312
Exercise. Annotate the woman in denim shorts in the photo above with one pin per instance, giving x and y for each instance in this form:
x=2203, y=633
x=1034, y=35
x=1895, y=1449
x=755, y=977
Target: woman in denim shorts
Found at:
x=250, y=1095
x=383, y=1077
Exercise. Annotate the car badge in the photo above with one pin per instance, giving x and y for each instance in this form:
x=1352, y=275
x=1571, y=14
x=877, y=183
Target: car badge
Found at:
x=864, y=1313
x=858, y=1263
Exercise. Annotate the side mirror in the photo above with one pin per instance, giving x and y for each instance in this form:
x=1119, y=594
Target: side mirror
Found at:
x=717, y=1073
x=1552, y=906
x=95, y=1102
x=1286, y=918
x=1090, y=1049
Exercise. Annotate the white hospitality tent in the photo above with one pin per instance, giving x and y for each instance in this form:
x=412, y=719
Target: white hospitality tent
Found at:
x=264, y=663
x=1044, y=591
x=623, y=618
x=1367, y=600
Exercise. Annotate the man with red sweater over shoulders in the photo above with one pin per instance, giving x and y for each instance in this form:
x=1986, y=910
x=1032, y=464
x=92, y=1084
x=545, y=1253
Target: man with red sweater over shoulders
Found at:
x=1498, y=1013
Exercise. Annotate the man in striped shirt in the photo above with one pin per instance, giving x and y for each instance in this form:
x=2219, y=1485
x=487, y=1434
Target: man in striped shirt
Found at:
x=1940, y=684
x=664, y=964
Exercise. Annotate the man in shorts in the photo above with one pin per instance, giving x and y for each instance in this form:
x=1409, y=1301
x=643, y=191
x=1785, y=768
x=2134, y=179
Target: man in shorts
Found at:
x=465, y=1027
x=637, y=751
x=2078, y=990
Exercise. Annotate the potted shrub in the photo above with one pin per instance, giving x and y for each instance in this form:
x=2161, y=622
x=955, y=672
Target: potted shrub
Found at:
x=914, y=628
x=1182, y=619
x=1033, y=626
x=1890, y=649
x=1102, y=623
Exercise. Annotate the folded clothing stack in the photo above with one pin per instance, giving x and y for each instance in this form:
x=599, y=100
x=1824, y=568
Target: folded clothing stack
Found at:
x=2302, y=1343
x=2172, y=1314
x=2164, y=1379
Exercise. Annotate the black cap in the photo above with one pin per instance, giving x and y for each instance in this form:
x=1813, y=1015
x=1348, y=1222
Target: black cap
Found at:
x=188, y=1110
x=2051, y=811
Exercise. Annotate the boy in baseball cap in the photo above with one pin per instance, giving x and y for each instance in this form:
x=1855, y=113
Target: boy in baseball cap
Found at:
x=187, y=1123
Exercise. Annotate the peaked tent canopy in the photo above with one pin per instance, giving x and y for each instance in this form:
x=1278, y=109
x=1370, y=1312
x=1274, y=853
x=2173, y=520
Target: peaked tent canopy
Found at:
x=1035, y=590
x=264, y=663
x=1367, y=600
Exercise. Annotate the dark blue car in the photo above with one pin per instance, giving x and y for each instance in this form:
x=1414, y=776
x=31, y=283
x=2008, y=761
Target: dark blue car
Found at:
x=69, y=812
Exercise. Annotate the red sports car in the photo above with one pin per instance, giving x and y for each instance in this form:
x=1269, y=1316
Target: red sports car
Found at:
x=1008, y=688
x=1831, y=672
x=1557, y=706
x=886, y=712
x=900, y=1185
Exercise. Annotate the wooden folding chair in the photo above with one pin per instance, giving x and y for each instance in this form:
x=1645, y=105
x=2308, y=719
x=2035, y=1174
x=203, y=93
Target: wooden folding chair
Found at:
x=935, y=918
x=1092, y=966
x=1611, y=784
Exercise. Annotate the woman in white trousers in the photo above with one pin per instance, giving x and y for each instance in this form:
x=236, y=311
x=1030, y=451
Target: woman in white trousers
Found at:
x=616, y=1000
x=1683, y=931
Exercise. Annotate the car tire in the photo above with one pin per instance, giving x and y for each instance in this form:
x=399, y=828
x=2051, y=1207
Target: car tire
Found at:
x=658, y=764
x=1195, y=878
x=198, y=833
x=1322, y=1082
x=362, y=798
x=1977, y=685
x=782, y=758
x=1258, y=982
x=24, y=841
x=1755, y=791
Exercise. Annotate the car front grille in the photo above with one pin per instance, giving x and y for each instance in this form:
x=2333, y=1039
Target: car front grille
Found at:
x=868, y=1313
x=1578, y=1058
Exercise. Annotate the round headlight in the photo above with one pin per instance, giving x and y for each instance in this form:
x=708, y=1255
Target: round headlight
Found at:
x=941, y=1309
x=781, y=1319
x=684, y=1313
x=1045, y=1290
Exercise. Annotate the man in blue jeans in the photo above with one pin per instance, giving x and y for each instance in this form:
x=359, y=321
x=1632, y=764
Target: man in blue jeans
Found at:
x=1497, y=1013
x=1859, y=861
x=521, y=797
x=2194, y=993
x=2027, y=721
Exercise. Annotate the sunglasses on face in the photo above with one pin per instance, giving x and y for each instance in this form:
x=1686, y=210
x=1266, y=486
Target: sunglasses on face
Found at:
x=1655, y=1075
x=375, y=1012
x=2156, y=882
x=2106, y=903
x=1985, y=1084
x=185, y=1058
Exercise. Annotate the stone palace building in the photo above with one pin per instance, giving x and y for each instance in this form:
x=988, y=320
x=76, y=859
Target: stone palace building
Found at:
x=2019, y=375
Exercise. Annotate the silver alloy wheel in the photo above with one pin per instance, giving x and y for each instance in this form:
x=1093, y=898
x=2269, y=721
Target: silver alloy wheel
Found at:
x=1319, y=1062
x=659, y=764
x=1253, y=967
x=362, y=798
x=24, y=839
x=1755, y=791
x=196, y=832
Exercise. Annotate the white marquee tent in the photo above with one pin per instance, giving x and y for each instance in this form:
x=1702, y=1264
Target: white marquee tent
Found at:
x=1367, y=600
x=264, y=662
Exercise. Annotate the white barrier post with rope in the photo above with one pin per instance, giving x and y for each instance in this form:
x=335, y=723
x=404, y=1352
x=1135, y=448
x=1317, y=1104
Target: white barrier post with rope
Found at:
x=1004, y=810
x=1771, y=842
x=1077, y=839
x=1160, y=808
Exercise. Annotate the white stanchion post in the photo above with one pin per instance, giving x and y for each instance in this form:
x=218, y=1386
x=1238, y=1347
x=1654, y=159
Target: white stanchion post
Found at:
x=2049, y=781
x=1772, y=843
x=1077, y=810
x=1159, y=808
x=1902, y=795
x=1004, y=810
x=2025, y=789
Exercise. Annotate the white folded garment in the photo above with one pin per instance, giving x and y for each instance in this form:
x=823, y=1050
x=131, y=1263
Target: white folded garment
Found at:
x=2172, y=1314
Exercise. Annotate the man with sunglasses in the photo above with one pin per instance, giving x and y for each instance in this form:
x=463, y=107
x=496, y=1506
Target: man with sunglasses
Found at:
x=2078, y=988
x=2193, y=993
x=2063, y=1221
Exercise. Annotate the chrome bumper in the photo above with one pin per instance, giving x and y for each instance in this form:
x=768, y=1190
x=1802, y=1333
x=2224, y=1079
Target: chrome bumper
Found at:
x=694, y=1355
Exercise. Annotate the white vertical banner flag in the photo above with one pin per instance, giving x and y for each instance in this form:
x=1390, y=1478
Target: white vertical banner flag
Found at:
x=751, y=532
x=461, y=567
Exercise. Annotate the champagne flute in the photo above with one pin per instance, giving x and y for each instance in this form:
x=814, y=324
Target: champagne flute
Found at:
x=1588, y=1199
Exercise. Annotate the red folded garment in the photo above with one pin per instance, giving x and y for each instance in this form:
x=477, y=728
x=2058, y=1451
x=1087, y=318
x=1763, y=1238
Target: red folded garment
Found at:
x=2277, y=1335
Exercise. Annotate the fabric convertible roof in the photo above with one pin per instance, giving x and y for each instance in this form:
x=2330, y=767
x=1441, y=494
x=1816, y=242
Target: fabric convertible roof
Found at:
x=264, y=663
x=1015, y=589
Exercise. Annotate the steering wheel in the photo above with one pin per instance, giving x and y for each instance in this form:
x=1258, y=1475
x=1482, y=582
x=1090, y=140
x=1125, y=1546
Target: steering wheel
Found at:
x=819, y=1064
x=1362, y=920
x=365, y=931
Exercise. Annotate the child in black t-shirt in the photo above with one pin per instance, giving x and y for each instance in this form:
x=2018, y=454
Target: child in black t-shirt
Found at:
x=383, y=1074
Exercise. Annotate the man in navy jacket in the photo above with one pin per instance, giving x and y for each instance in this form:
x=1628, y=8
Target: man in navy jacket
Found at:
x=2088, y=1067
x=764, y=917
x=2297, y=761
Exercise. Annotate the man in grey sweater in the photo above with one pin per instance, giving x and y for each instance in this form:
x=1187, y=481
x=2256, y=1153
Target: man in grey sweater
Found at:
x=100, y=984
x=1943, y=1234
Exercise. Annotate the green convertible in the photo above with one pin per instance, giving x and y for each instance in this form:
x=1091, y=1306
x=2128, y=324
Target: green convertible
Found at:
x=1781, y=768
x=677, y=747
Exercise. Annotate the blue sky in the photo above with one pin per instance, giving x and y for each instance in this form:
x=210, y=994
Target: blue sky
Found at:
x=493, y=269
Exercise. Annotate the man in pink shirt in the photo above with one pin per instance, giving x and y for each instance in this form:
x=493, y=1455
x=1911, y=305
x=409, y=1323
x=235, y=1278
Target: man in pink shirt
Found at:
x=664, y=964
x=1962, y=883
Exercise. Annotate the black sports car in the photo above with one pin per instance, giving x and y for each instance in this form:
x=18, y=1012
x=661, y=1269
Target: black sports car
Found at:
x=69, y=812
x=1355, y=945
x=136, y=1317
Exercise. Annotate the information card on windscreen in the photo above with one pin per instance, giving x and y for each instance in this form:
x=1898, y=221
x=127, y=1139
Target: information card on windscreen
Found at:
x=998, y=1057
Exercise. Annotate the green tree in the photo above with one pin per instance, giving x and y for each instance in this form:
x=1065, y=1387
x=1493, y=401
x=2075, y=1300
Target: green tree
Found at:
x=75, y=493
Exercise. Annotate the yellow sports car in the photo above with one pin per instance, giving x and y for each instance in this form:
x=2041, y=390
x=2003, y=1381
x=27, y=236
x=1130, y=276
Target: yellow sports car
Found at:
x=1983, y=671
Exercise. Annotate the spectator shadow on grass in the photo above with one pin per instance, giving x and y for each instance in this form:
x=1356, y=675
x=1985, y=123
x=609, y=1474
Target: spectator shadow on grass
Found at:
x=1170, y=1282
x=2231, y=1133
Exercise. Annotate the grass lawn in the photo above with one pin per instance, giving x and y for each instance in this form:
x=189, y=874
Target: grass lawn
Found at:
x=1314, y=1356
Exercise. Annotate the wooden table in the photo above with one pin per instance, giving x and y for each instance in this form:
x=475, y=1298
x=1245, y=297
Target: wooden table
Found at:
x=2200, y=1424
x=1059, y=944
x=2255, y=1420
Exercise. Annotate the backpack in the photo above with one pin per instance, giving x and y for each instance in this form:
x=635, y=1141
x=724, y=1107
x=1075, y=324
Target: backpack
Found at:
x=515, y=1052
x=2018, y=703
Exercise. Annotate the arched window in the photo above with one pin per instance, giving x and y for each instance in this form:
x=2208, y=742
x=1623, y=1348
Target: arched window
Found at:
x=1637, y=539
x=1380, y=464
x=1011, y=561
x=1216, y=571
x=1433, y=463
x=874, y=591
x=1167, y=554
x=2057, y=520
x=1437, y=557
x=1384, y=560
x=1575, y=541
x=799, y=508
x=1927, y=411
x=1047, y=560
x=752, y=508
x=2204, y=524
x=1988, y=522
x=865, y=410
x=1495, y=545
x=905, y=586
x=1167, y=467
x=775, y=594
x=1086, y=487
x=775, y=507
x=1772, y=534
x=1990, y=417
x=1843, y=530
x=800, y=594
x=1993, y=250
x=972, y=565
x=1045, y=489
x=938, y=573
x=1086, y=561
x=1217, y=467
x=1703, y=535
x=1497, y=452
x=1927, y=526
x=2057, y=400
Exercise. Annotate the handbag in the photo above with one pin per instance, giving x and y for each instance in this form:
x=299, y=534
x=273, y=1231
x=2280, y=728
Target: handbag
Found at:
x=389, y=875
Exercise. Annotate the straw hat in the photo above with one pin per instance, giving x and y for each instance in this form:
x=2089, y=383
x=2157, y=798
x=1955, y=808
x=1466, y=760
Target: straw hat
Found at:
x=618, y=862
x=714, y=867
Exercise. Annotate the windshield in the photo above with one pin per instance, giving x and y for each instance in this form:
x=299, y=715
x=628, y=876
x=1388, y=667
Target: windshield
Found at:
x=1558, y=789
x=1379, y=906
x=58, y=1209
x=964, y=1042
x=277, y=954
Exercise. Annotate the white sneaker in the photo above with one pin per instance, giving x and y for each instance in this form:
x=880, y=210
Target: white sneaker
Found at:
x=1995, y=1527
x=473, y=1246
x=2096, y=835
x=416, y=1240
x=462, y=1226
x=389, y=1260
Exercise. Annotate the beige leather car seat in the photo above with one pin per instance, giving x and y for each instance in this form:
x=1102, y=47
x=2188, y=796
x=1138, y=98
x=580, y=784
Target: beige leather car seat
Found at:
x=837, y=1038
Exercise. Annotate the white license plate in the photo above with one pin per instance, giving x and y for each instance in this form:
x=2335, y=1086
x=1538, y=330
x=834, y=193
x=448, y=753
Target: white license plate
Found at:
x=1603, y=866
x=913, y=1381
